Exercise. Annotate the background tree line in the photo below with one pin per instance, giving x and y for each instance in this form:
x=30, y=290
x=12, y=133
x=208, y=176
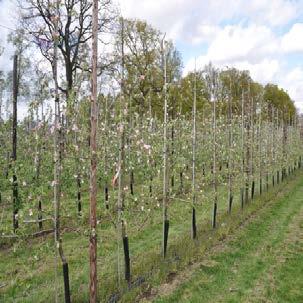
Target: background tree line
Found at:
x=143, y=61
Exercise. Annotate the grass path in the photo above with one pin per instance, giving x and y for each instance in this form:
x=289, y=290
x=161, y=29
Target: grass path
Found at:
x=263, y=262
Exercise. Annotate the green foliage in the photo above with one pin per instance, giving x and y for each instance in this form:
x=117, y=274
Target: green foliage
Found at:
x=278, y=98
x=143, y=63
x=186, y=92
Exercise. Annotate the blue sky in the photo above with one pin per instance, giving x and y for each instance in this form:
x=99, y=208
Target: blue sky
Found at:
x=264, y=37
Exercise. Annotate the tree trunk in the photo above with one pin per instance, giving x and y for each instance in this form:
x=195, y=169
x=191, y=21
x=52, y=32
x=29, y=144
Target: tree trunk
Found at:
x=230, y=147
x=242, y=152
x=194, y=136
x=215, y=203
x=121, y=166
x=93, y=167
x=165, y=156
x=14, y=143
x=57, y=161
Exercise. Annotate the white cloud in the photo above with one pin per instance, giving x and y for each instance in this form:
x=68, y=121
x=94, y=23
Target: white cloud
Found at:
x=293, y=82
x=165, y=15
x=205, y=33
x=251, y=43
x=274, y=12
x=248, y=47
x=265, y=71
x=236, y=42
x=293, y=40
x=193, y=15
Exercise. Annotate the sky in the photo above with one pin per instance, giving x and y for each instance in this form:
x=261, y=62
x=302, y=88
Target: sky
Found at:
x=262, y=36
x=7, y=17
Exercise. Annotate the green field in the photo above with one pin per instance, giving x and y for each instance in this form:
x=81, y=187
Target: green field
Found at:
x=261, y=262
x=254, y=256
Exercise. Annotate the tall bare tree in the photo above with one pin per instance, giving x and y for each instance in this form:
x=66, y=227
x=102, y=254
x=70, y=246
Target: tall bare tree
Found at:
x=74, y=31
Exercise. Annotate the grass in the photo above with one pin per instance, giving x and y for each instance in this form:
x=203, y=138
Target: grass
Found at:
x=27, y=268
x=263, y=262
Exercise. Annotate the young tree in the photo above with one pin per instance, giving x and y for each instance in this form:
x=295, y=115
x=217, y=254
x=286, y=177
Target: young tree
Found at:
x=194, y=139
x=230, y=149
x=57, y=154
x=165, y=155
x=259, y=109
x=2, y=83
x=121, y=162
x=93, y=155
x=16, y=201
x=215, y=185
x=242, y=150
x=212, y=81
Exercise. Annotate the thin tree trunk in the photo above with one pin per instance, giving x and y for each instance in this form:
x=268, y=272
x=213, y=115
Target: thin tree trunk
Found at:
x=40, y=223
x=106, y=189
x=57, y=161
x=260, y=151
x=247, y=160
x=267, y=157
x=284, y=151
x=172, y=173
x=129, y=144
x=14, y=143
x=215, y=205
x=277, y=152
x=1, y=102
x=79, y=203
x=37, y=152
x=150, y=159
x=242, y=152
x=93, y=167
x=272, y=128
x=252, y=148
x=194, y=227
x=121, y=165
x=230, y=149
x=165, y=156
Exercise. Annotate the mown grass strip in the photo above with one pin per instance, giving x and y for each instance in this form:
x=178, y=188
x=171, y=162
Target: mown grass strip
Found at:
x=233, y=272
